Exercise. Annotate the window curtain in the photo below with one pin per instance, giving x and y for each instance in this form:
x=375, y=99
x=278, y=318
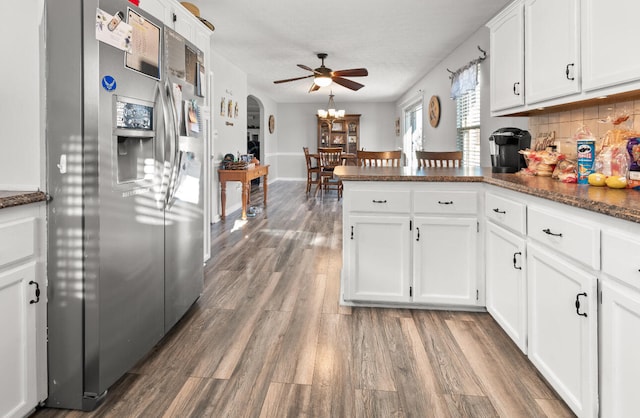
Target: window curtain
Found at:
x=464, y=80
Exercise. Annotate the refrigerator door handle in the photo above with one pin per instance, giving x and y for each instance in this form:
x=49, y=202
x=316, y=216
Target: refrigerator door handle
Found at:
x=165, y=132
x=175, y=165
x=170, y=138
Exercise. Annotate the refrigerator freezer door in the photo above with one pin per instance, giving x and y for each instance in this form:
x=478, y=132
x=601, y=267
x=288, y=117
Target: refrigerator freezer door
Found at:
x=124, y=298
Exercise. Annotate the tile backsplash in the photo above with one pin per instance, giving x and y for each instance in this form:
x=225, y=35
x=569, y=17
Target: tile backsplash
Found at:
x=566, y=123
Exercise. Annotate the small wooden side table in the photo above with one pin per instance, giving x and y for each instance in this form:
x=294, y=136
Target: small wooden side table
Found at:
x=244, y=177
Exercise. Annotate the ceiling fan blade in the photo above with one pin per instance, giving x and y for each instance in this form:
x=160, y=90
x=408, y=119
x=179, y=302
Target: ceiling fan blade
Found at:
x=354, y=72
x=347, y=83
x=292, y=79
x=314, y=87
x=304, y=67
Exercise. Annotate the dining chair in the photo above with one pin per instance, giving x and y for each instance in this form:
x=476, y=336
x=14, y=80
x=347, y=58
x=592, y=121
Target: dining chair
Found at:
x=329, y=159
x=439, y=158
x=313, y=169
x=379, y=158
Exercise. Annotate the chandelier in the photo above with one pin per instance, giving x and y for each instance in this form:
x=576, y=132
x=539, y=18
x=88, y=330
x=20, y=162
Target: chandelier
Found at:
x=330, y=113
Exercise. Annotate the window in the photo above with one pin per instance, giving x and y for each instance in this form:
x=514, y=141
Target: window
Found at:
x=468, y=125
x=412, y=138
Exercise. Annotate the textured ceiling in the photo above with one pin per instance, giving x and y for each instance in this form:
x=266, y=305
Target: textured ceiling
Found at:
x=397, y=41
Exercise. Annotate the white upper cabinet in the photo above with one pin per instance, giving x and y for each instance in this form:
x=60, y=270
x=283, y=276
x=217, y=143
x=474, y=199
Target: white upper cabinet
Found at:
x=179, y=19
x=609, y=30
x=552, y=47
x=507, y=58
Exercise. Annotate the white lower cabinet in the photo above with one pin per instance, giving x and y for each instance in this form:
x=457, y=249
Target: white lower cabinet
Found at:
x=18, y=346
x=394, y=253
x=562, y=325
x=22, y=311
x=506, y=282
x=444, y=260
x=379, y=253
x=620, y=346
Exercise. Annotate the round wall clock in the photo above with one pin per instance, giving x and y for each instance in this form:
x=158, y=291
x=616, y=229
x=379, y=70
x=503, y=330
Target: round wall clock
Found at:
x=434, y=111
x=272, y=124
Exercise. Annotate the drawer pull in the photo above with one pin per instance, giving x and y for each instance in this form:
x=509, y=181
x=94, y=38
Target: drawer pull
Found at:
x=497, y=210
x=578, y=303
x=548, y=232
x=514, y=261
x=379, y=201
x=448, y=202
x=37, y=299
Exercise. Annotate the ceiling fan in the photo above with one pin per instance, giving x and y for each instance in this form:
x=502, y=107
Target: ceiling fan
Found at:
x=323, y=76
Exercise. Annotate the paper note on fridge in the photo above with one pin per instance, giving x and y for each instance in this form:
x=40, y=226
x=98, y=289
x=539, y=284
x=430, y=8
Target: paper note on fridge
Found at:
x=117, y=35
x=191, y=117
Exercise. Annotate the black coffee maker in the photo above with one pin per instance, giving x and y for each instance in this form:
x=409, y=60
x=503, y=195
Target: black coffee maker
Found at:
x=504, y=145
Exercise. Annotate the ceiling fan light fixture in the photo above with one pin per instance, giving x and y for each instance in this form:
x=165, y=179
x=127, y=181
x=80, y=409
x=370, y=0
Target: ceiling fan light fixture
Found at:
x=322, y=81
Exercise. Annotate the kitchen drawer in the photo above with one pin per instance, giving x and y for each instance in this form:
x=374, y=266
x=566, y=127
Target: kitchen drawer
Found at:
x=380, y=201
x=621, y=257
x=578, y=240
x=17, y=240
x=446, y=202
x=506, y=212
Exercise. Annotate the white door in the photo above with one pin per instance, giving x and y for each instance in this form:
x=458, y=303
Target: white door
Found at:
x=552, y=71
x=506, y=283
x=608, y=27
x=445, y=260
x=620, y=345
x=507, y=59
x=562, y=326
x=18, y=391
x=379, y=258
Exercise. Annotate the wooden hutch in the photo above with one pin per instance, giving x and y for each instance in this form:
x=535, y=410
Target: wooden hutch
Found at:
x=344, y=132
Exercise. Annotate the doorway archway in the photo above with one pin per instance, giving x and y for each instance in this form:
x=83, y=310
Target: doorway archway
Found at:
x=255, y=127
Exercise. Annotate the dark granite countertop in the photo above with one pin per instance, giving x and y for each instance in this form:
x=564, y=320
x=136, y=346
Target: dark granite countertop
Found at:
x=619, y=203
x=15, y=198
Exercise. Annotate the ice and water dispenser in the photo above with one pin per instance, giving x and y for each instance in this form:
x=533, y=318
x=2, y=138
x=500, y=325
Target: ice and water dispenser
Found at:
x=135, y=139
x=504, y=145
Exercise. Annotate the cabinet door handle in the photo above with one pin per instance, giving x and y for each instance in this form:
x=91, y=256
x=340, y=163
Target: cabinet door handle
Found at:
x=497, y=210
x=514, y=261
x=379, y=201
x=548, y=232
x=516, y=92
x=37, y=299
x=578, y=303
x=567, y=72
x=351, y=231
x=418, y=237
x=448, y=202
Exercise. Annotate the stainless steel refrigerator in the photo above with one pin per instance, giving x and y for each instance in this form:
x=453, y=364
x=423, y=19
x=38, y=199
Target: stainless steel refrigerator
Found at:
x=124, y=171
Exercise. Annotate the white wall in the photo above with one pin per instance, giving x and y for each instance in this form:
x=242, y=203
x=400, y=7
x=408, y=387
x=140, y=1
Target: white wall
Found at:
x=437, y=82
x=231, y=83
x=297, y=128
x=21, y=139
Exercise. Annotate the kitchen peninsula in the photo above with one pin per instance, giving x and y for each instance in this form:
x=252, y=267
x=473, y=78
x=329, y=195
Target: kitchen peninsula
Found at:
x=555, y=264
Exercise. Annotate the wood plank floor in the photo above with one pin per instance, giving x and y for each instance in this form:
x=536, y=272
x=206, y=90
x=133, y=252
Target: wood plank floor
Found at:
x=268, y=338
